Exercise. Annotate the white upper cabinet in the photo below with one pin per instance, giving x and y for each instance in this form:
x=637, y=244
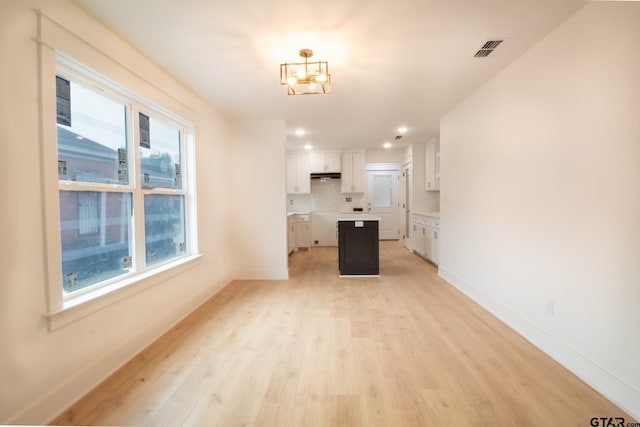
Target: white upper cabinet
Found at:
x=432, y=165
x=353, y=176
x=298, y=170
x=325, y=161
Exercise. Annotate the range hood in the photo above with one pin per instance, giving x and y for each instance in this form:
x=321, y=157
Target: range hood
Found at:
x=325, y=175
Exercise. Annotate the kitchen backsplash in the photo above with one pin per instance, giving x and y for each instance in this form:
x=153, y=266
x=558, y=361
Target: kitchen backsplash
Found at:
x=325, y=197
x=357, y=201
x=298, y=203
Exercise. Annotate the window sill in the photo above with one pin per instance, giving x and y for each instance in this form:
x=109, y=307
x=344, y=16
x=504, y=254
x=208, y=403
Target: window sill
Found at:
x=76, y=308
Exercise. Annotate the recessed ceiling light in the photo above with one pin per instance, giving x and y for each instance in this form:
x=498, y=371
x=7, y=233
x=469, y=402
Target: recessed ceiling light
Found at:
x=387, y=145
x=300, y=132
x=307, y=146
x=402, y=129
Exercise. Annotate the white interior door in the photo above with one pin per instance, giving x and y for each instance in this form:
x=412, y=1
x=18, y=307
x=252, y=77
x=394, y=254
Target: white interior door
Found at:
x=382, y=201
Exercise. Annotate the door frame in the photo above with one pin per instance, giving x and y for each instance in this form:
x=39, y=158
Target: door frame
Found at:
x=405, y=204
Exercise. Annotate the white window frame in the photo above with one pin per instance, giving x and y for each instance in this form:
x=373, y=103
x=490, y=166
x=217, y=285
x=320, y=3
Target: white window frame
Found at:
x=64, y=308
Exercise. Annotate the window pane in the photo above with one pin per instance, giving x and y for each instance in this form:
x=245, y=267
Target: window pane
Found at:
x=159, y=154
x=164, y=227
x=94, y=147
x=95, y=232
x=382, y=197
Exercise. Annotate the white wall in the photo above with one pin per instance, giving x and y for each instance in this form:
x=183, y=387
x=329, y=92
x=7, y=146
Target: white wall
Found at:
x=42, y=371
x=541, y=197
x=383, y=156
x=258, y=186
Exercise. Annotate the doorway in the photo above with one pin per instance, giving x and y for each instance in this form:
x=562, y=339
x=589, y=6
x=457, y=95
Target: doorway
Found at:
x=383, y=183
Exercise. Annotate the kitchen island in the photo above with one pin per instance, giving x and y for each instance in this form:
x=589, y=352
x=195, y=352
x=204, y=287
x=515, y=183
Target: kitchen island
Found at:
x=358, y=248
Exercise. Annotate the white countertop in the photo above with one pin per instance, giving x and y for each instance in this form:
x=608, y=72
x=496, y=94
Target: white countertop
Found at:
x=298, y=213
x=354, y=216
x=431, y=214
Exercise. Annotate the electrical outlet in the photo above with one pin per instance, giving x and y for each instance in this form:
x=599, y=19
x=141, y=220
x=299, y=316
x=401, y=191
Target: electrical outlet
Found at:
x=348, y=199
x=291, y=202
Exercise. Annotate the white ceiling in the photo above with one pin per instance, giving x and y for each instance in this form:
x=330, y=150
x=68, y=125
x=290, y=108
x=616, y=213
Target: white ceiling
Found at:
x=392, y=63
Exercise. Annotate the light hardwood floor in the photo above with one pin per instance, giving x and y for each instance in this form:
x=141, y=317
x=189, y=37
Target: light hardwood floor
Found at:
x=406, y=349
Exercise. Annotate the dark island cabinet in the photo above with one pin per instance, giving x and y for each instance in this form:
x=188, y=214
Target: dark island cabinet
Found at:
x=358, y=248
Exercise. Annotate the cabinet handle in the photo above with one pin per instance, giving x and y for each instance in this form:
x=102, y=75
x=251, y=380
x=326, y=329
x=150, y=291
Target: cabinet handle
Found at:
x=435, y=235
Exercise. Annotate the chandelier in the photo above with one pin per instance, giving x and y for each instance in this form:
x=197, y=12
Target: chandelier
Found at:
x=305, y=78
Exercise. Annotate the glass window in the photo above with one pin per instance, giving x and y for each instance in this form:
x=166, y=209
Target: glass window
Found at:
x=98, y=202
x=92, y=140
x=382, y=196
x=95, y=236
x=159, y=154
x=164, y=227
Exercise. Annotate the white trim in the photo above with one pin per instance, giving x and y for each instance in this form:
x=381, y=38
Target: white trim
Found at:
x=606, y=383
x=189, y=182
x=63, y=309
x=139, y=250
x=382, y=167
x=77, y=307
x=50, y=181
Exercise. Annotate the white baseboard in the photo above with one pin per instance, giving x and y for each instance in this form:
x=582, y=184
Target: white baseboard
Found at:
x=48, y=406
x=603, y=381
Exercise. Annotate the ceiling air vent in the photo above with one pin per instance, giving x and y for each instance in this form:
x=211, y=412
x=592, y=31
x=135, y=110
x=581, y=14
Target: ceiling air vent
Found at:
x=487, y=48
x=398, y=136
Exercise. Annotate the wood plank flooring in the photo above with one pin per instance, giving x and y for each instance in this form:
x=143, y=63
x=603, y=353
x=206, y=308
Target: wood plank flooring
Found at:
x=405, y=349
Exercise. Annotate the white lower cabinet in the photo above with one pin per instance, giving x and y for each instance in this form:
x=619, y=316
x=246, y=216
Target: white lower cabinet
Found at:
x=298, y=232
x=424, y=236
x=291, y=233
x=303, y=233
x=435, y=247
x=417, y=237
